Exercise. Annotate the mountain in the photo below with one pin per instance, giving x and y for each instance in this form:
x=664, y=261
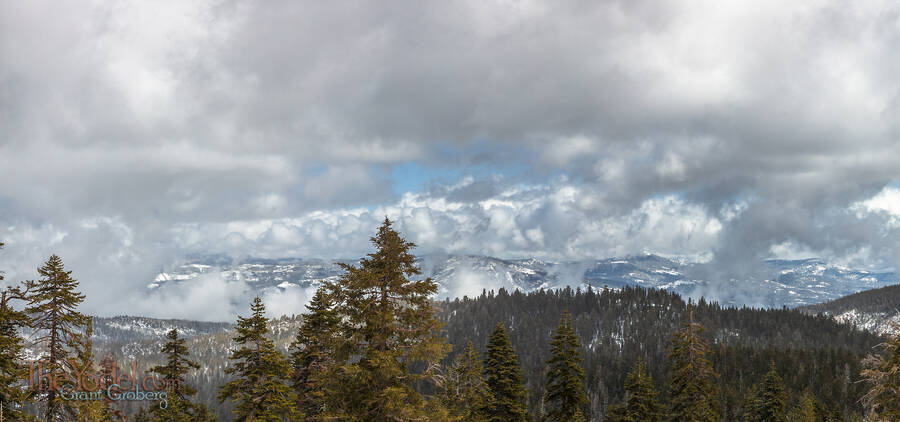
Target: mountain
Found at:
x=876, y=310
x=775, y=283
x=132, y=337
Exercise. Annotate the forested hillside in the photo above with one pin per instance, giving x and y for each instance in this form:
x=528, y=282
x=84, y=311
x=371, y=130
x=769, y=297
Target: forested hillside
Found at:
x=876, y=310
x=882, y=300
x=616, y=327
x=208, y=343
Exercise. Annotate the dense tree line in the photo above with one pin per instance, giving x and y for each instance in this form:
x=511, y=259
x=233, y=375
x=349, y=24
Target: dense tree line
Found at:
x=881, y=300
x=813, y=354
x=373, y=346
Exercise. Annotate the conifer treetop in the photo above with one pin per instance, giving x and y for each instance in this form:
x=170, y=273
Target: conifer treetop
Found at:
x=565, y=398
x=54, y=302
x=694, y=396
x=389, y=337
x=504, y=379
x=259, y=390
x=177, y=364
x=52, y=306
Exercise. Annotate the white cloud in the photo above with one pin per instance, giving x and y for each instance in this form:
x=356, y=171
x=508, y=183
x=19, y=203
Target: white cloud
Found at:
x=135, y=133
x=209, y=297
x=886, y=201
x=545, y=221
x=287, y=302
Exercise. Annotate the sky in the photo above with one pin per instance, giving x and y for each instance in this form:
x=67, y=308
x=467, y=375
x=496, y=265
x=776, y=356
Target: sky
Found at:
x=134, y=134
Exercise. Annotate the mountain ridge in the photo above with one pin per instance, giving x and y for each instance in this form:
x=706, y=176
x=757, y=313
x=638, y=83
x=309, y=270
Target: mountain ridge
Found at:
x=774, y=283
x=876, y=310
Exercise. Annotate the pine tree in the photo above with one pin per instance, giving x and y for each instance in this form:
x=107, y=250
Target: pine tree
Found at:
x=83, y=346
x=12, y=371
x=260, y=392
x=882, y=373
x=389, y=324
x=52, y=306
x=640, y=396
x=805, y=411
x=768, y=403
x=313, y=352
x=465, y=393
x=503, y=377
x=694, y=396
x=179, y=405
x=565, y=395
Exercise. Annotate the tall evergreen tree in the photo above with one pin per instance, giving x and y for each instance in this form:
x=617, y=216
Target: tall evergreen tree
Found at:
x=882, y=373
x=12, y=371
x=503, y=377
x=260, y=392
x=565, y=397
x=313, y=352
x=768, y=403
x=693, y=392
x=179, y=407
x=52, y=305
x=465, y=393
x=640, y=396
x=389, y=324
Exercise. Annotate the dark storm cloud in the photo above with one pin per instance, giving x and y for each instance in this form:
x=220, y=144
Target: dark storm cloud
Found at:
x=736, y=129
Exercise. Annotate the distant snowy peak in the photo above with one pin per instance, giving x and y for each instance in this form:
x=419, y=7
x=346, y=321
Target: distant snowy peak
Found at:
x=775, y=283
x=256, y=273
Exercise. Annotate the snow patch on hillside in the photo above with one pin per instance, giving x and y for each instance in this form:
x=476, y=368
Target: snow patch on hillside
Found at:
x=877, y=322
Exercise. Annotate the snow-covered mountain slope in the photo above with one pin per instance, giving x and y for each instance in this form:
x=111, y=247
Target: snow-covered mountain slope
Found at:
x=876, y=310
x=129, y=328
x=774, y=283
x=879, y=322
x=257, y=273
x=134, y=336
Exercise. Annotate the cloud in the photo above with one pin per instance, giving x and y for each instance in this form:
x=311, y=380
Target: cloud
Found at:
x=469, y=282
x=287, y=302
x=134, y=134
x=887, y=202
x=545, y=221
x=209, y=297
